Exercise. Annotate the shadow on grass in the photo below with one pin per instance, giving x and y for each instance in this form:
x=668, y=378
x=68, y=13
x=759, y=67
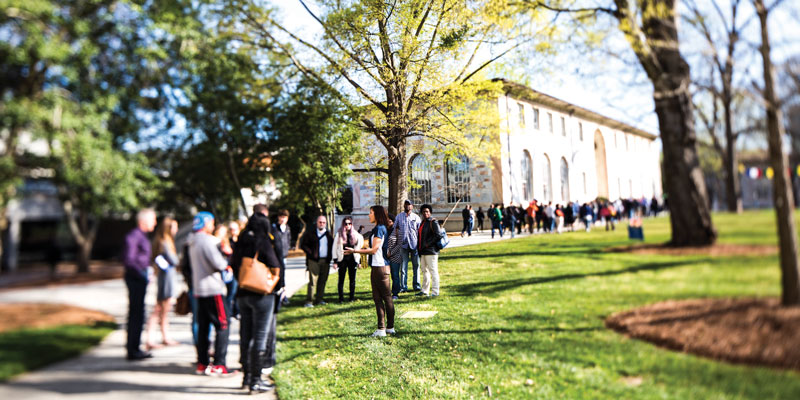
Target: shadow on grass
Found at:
x=476, y=288
x=402, y=333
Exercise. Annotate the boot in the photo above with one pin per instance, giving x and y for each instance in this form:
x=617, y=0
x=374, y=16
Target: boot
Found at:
x=257, y=385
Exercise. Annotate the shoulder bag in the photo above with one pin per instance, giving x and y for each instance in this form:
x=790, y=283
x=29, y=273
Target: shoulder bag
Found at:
x=255, y=276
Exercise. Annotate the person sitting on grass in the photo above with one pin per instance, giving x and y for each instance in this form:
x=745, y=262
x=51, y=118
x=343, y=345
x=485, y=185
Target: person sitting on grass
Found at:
x=380, y=274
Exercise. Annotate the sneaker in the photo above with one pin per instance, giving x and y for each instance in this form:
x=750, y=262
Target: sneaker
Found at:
x=390, y=331
x=321, y=303
x=261, y=387
x=379, y=333
x=201, y=369
x=308, y=305
x=220, y=371
x=395, y=297
x=421, y=293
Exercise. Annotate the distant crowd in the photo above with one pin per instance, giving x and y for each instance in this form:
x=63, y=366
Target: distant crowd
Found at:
x=545, y=217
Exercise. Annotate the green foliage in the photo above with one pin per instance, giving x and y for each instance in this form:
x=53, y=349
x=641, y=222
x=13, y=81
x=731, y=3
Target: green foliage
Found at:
x=410, y=69
x=315, y=141
x=28, y=349
x=533, y=309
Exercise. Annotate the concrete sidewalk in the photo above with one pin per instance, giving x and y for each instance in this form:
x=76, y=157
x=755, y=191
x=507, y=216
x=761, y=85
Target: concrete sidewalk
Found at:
x=103, y=371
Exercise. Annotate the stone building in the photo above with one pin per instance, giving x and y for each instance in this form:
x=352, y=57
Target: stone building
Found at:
x=550, y=150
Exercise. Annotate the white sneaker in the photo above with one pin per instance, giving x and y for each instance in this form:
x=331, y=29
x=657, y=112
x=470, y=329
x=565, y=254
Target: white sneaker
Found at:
x=390, y=331
x=379, y=333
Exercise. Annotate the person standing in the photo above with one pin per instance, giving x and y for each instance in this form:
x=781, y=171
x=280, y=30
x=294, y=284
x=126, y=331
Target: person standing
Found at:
x=407, y=222
x=559, y=212
x=530, y=216
x=136, y=259
x=283, y=243
x=165, y=260
x=509, y=218
x=207, y=262
x=318, y=245
x=480, y=216
x=257, y=309
x=379, y=274
x=466, y=216
x=346, y=236
x=429, y=235
x=497, y=218
x=225, y=246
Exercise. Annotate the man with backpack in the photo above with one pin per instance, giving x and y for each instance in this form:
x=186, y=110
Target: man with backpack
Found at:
x=429, y=244
x=497, y=217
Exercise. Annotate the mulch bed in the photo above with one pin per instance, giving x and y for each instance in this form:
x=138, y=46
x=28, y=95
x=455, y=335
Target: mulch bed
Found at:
x=753, y=331
x=716, y=250
x=34, y=315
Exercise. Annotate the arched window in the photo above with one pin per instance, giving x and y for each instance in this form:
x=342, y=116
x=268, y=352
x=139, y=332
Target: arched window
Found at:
x=547, y=179
x=564, y=180
x=527, y=176
x=420, y=171
x=457, y=176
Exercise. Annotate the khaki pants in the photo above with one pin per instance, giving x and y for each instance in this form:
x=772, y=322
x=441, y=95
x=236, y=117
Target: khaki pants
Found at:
x=317, y=278
x=429, y=266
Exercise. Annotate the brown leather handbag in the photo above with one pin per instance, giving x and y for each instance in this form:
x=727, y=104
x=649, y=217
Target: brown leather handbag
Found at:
x=255, y=276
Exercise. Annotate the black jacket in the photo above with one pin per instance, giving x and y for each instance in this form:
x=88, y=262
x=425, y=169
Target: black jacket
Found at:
x=428, y=237
x=283, y=241
x=256, y=238
x=310, y=245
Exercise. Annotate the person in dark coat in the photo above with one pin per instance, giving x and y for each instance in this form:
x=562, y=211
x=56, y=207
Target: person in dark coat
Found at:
x=318, y=246
x=429, y=235
x=257, y=309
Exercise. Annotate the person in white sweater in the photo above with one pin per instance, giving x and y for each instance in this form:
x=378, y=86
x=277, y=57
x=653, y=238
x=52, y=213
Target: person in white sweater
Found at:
x=346, y=236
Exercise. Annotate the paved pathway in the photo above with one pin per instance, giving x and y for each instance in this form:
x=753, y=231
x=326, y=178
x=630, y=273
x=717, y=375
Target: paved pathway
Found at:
x=103, y=371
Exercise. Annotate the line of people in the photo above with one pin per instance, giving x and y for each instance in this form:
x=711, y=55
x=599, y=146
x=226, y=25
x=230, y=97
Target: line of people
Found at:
x=212, y=257
x=210, y=262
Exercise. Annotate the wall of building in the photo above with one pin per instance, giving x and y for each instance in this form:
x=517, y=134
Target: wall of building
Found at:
x=633, y=166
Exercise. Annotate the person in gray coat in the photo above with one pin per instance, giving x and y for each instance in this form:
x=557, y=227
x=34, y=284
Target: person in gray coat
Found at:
x=209, y=289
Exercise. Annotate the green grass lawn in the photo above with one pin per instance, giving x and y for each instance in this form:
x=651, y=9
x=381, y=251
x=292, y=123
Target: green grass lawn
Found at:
x=27, y=349
x=524, y=318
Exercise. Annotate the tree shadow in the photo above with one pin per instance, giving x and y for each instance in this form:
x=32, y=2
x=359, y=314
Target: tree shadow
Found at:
x=476, y=288
x=401, y=333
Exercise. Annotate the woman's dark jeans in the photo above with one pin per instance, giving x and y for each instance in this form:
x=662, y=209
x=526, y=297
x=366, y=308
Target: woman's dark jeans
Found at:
x=256, y=322
x=347, y=266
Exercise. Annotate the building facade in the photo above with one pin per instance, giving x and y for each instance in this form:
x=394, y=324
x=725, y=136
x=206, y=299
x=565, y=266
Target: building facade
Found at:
x=550, y=151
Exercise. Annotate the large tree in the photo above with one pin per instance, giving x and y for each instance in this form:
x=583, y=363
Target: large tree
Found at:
x=407, y=68
x=315, y=141
x=781, y=186
x=651, y=29
x=72, y=73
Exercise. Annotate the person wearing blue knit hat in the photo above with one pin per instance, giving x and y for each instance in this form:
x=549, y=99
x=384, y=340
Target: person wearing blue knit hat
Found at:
x=209, y=289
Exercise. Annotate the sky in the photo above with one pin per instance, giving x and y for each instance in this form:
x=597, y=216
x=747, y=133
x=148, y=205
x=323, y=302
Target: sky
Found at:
x=615, y=87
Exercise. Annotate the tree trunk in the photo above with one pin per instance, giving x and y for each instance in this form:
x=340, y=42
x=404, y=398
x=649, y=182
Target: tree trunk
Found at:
x=83, y=232
x=398, y=178
x=782, y=195
x=689, y=215
x=733, y=189
x=657, y=48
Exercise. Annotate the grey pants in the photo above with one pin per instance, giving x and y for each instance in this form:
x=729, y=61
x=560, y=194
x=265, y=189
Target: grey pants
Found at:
x=317, y=278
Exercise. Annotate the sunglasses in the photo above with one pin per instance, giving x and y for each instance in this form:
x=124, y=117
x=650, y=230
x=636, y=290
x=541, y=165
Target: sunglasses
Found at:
x=348, y=223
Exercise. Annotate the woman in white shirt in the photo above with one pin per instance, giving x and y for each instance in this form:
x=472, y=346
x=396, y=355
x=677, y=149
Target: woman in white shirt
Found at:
x=346, y=236
x=380, y=276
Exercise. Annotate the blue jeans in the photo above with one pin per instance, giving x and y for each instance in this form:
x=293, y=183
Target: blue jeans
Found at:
x=512, y=223
x=414, y=257
x=468, y=223
x=396, y=272
x=257, y=315
x=498, y=226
